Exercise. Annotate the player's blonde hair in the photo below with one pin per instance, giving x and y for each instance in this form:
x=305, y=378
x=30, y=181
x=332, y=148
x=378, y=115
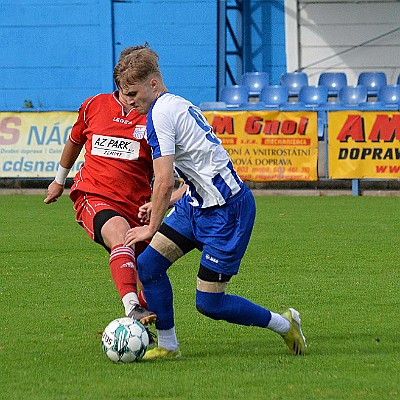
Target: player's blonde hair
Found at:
x=136, y=64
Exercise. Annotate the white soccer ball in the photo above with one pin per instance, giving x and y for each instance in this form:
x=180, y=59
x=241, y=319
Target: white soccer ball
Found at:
x=125, y=340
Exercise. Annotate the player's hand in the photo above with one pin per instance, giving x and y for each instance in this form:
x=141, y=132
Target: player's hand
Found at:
x=138, y=234
x=145, y=212
x=54, y=191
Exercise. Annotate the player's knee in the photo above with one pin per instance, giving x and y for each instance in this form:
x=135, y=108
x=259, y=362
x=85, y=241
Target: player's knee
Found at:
x=210, y=304
x=151, y=265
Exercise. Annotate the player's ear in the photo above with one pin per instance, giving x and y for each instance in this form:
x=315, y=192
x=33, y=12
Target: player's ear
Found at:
x=153, y=84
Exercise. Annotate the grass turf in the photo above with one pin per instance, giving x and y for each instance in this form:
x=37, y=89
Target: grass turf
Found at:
x=333, y=258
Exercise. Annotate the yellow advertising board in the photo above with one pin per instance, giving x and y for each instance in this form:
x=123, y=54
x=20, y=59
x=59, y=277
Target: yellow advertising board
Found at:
x=269, y=145
x=364, y=144
x=31, y=143
x=264, y=145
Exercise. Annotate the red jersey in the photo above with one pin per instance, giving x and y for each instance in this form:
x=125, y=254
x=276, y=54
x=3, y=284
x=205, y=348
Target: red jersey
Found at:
x=118, y=164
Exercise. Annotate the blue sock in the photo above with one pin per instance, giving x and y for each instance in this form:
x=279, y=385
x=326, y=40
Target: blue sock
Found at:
x=152, y=268
x=230, y=308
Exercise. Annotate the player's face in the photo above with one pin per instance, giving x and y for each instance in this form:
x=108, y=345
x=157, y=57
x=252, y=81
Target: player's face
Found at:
x=126, y=101
x=140, y=96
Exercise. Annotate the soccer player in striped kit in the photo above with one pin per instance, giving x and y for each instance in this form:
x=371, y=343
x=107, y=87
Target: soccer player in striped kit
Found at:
x=215, y=215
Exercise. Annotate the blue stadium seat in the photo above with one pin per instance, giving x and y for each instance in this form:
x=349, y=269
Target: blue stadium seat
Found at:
x=294, y=81
x=390, y=96
x=235, y=95
x=350, y=97
x=334, y=81
x=316, y=98
x=273, y=96
x=373, y=81
x=310, y=98
x=256, y=81
x=388, y=99
x=313, y=96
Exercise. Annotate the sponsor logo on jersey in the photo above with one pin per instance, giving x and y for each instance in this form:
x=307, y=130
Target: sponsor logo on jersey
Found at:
x=122, y=121
x=139, y=132
x=115, y=147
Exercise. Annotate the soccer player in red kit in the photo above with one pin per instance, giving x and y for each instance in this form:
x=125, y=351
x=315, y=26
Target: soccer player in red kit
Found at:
x=111, y=185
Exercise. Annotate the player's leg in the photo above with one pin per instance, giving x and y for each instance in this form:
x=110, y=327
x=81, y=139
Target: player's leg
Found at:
x=221, y=258
x=166, y=247
x=110, y=229
x=212, y=301
x=224, y=245
x=92, y=213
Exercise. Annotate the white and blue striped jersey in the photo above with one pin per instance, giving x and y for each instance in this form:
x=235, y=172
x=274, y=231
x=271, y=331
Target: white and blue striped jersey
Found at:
x=176, y=127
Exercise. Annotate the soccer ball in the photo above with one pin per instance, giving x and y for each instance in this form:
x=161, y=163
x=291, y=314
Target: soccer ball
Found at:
x=125, y=340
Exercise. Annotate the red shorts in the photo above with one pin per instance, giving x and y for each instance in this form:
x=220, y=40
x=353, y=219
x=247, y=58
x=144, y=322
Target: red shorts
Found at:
x=86, y=207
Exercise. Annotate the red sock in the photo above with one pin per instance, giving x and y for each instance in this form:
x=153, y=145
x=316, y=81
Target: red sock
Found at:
x=123, y=269
x=142, y=299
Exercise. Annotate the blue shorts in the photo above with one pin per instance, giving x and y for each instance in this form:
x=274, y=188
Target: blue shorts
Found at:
x=221, y=232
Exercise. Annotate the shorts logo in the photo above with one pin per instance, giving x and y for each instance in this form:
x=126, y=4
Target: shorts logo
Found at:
x=139, y=132
x=212, y=259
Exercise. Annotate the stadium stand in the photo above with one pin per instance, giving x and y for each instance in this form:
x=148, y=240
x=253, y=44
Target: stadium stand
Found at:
x=256, y=81
x=294, y=93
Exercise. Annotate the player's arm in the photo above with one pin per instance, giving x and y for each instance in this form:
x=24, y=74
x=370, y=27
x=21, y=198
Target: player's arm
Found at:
x=163, y=186
x=145, y=210
x=177, y=194
x=69, y=155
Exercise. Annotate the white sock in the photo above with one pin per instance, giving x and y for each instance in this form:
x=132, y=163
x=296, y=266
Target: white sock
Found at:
x=278, y=324
x=129, y=301
x=167, y=339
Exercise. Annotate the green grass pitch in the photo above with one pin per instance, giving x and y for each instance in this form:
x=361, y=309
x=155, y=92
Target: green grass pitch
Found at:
x=335, y=259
